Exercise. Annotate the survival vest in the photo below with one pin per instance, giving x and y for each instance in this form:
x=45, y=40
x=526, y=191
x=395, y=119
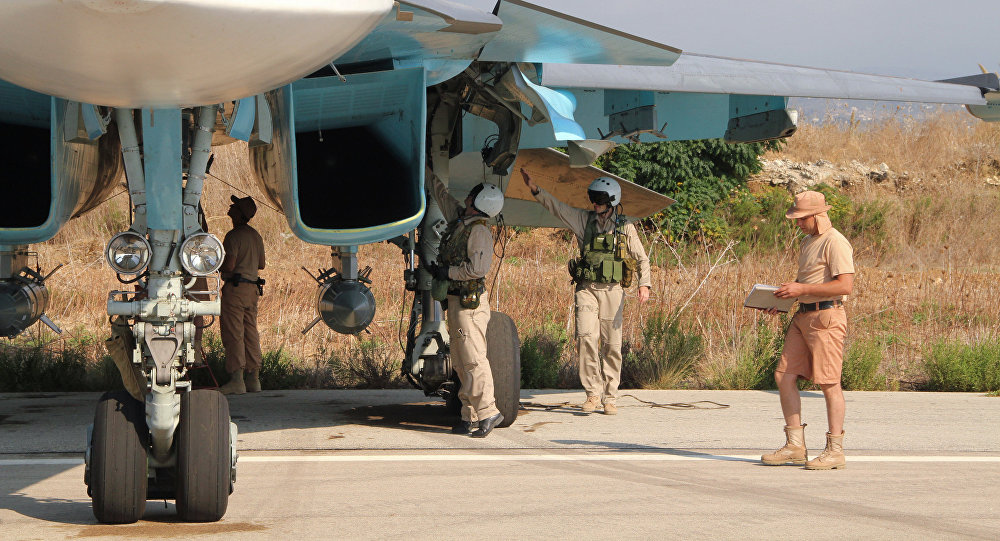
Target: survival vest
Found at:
x=604, y=258
x=455, y=251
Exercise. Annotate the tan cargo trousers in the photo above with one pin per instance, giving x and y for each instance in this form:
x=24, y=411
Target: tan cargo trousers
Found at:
x=599, y=338
x=238, y=325
x=467, y=330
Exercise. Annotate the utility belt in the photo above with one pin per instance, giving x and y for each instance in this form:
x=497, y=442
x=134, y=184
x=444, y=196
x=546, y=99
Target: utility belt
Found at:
x=469, y=292
x=821, y=305
x=236, y=279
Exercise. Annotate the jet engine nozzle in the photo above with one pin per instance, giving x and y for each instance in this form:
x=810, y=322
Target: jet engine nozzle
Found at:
x=23, y=299
x=346, y=306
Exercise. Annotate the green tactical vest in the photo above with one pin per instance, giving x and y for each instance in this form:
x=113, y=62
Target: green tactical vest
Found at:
x=604, y=258
x=455, y=251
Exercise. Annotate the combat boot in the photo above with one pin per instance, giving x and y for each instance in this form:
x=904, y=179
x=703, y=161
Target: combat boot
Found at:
x=610, y=408
x=235, y=384
x=590, y=406
x=832, y=458
x=253, y=382
x=794, y=451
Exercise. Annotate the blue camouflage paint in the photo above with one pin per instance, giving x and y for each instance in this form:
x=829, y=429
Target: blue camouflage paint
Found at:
x=161, y=142
x=392, y=103
x=241, y=124
x=533, y=33
x=22, y=107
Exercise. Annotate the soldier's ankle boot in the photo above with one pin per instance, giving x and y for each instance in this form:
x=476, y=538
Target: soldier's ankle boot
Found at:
x=832, y=458
x=590, y=405
x=235, y=384
x=794, y=451
x=253, y=381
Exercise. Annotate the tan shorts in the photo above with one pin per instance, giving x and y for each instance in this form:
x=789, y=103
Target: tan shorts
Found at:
x=814, y=345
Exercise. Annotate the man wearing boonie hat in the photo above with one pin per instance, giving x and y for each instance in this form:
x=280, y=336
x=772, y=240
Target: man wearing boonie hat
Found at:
x=238, y=320
x=814, y=343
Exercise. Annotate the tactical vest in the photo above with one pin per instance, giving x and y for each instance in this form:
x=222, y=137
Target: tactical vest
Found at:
x=455, y=251
x=604, y=258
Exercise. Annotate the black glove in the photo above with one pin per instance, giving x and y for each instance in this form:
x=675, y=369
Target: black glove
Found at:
x=438, y=272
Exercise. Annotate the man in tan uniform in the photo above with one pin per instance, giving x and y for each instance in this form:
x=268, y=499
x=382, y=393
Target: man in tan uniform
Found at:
x=600, y=297
x=244, y=258
x=814, y=344
x=464, y=260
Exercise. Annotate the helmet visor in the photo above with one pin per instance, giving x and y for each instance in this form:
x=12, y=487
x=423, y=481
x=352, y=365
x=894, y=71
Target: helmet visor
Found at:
x=598, y=197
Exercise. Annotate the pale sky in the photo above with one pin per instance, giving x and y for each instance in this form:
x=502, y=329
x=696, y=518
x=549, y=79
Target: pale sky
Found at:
x=928, y=39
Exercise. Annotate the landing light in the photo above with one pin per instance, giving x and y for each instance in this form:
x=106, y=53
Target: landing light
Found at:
x=127, y=253
x=202, y=254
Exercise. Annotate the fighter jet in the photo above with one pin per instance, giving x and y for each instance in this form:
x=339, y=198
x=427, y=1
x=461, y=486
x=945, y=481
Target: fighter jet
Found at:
x=345, y=105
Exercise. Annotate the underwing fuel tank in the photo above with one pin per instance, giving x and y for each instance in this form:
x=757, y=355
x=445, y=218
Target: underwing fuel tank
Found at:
x=346, y=159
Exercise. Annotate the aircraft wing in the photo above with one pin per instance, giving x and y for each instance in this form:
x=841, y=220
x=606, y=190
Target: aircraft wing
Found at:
x=717, y=75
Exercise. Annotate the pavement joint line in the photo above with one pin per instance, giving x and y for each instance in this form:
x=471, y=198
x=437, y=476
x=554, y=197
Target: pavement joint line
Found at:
x=567, y=457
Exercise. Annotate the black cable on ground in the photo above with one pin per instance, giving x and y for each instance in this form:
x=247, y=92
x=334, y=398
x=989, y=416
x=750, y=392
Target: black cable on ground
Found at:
x=673, y=405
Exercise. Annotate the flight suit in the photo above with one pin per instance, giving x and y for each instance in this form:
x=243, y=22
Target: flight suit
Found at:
x=467, y=326
x=599, y=306
x=238, y=321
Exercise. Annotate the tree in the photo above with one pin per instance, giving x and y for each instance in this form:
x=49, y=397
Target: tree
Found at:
x=697, y=174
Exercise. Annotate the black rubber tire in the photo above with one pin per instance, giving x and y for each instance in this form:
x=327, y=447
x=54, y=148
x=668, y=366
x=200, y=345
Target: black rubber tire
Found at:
x=203, y=456
x=503, y=349
x=452, y=402
x=118, y=466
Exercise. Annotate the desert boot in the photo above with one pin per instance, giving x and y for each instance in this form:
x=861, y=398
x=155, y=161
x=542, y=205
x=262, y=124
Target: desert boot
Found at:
x=832, y=458
x=794, y=451
x=235, y=384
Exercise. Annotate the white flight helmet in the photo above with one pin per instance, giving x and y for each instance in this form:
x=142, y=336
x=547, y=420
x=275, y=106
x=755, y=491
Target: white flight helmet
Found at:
x=605, y=191
x=487, y=199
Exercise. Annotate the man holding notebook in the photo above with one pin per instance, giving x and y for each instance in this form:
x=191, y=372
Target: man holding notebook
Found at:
x=814, y=344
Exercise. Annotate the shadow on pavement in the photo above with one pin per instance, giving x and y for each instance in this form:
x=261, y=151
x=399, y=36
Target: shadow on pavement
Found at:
x=618, y=447
x=421, y=416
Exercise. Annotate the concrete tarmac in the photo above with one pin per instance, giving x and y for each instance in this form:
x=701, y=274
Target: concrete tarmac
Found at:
x=672, y=464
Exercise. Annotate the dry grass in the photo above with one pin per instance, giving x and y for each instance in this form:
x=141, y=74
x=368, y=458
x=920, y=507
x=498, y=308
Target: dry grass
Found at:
x=938, y=279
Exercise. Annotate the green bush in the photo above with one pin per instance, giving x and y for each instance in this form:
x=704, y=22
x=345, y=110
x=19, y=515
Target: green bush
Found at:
x=862, y=363
x=541, y=356
x=757, y=354
x=215, y=359
x=668, y=353
x=74, y=365
x=954, y=366
x=697, y=174
x=757, y=220
x=370, y=364
x=279, y=370
x=862, y=223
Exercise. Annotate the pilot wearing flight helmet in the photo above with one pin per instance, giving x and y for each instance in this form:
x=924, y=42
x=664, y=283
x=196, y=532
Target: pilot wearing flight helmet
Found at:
x=465, y=256
x=242, y=288
x=611, y=259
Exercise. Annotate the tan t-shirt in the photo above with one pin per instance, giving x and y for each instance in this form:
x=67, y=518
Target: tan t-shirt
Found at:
x=821, y=259
x=244, y=253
